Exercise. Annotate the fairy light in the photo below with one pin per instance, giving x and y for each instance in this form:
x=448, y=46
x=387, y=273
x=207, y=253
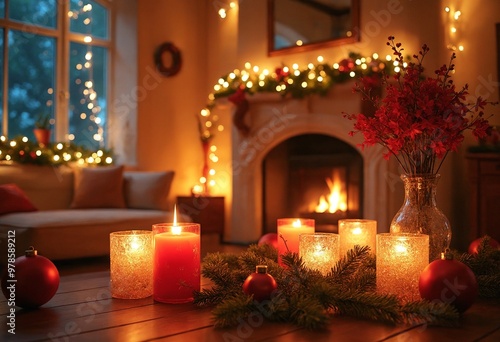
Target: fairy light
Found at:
x=253, y=78
x=453, y=31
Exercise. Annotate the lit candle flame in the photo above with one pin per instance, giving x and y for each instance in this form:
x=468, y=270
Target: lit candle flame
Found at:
x=356, y=231
x=134, y=244
x=296, y=224
x=401, y=249
x=175, y=228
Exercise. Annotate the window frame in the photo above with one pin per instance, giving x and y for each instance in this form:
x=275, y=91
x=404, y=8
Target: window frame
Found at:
x=63, y=37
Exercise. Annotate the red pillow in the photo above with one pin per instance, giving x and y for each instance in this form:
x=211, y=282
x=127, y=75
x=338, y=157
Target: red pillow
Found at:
x=13, y=200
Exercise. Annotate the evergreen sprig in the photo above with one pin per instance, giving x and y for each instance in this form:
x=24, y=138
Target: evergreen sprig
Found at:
x=305, y=297
x=486, y=267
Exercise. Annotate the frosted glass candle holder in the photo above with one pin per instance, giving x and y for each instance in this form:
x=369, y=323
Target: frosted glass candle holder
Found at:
x=289, y=230
x=319, y=251
x=400, y=260
x=131, y=264
x=357, y=232
x=176, y=262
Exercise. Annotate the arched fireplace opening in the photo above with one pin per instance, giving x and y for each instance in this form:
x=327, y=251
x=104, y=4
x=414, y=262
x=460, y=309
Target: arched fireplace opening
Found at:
x=315, y=176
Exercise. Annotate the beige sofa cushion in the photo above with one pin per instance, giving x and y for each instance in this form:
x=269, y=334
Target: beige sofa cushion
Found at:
x=147, y=190
x=47, y=187
x=98, y=187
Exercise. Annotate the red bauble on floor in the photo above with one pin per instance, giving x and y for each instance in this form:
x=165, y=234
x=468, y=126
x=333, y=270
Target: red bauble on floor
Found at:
x=449, y=281
x=32, y=282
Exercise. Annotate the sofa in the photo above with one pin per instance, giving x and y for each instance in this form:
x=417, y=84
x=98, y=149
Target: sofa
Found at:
x=68, y=212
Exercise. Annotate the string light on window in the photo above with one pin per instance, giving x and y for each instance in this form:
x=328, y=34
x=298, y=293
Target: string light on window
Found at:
x=89, y=95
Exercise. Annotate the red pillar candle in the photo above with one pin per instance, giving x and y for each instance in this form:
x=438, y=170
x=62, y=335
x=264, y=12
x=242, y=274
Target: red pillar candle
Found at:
x=289, y=230
x=176, y=271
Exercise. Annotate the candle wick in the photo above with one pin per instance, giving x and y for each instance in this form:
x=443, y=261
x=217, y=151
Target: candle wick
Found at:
x=286, y=246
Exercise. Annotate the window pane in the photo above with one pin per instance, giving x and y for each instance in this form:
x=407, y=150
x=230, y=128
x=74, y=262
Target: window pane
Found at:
x=31, y=78
x=2, y=8
x=35, y=12
x=89, y=18
x=88, y=95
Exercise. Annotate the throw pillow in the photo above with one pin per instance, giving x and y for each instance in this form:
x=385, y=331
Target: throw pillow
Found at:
x=14, y=200
x=147, y=190
x=98, y=187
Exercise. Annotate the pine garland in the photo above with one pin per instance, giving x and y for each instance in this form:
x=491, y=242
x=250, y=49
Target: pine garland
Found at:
x=486, y=267
x=305, y=297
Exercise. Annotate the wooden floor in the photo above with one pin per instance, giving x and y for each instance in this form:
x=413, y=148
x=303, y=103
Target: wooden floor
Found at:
x=82, y=310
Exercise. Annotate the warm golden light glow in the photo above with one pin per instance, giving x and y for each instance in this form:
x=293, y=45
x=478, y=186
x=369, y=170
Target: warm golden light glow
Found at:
x=336, y=200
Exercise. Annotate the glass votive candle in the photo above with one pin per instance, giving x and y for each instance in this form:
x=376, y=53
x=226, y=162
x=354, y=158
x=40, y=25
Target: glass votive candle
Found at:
x=359, y=232
x=176, y=262
x=319, y=251
x=289, y=230
x=400, y=260
x=131, y=264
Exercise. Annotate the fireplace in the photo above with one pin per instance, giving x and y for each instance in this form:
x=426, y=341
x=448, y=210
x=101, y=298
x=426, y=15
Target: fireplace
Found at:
x=312, y=176
x=272, y=121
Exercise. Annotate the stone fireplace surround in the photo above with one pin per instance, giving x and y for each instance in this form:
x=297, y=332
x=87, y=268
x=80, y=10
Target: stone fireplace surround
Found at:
x=272, y=120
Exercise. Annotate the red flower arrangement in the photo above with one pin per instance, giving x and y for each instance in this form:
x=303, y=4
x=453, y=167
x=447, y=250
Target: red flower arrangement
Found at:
x=421, y=118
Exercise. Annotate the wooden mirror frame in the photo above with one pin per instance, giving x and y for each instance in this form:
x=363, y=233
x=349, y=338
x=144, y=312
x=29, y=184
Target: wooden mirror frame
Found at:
x=355, y=7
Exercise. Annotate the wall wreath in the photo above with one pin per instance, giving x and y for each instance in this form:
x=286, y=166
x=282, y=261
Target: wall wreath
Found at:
x=175, y=56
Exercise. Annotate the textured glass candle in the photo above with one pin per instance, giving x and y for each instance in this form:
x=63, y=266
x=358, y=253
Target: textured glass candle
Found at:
x=319, y=251
x=400, y=260
x=357, y=232
x=289, y=230
x=176, y=262
x=131, y=264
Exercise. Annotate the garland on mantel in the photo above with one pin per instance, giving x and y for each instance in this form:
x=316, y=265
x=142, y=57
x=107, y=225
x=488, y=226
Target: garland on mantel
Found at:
x=308, y=299
x=295, y=82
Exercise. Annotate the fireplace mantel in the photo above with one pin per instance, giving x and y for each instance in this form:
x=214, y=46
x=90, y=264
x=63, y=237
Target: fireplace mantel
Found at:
x=273, y=119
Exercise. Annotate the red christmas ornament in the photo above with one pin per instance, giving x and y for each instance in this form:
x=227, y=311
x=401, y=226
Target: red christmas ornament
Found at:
x=474, y=245
x=260, y=284
x=449, y=281
x=346, y=65
x=33, y=281
x=269, y=239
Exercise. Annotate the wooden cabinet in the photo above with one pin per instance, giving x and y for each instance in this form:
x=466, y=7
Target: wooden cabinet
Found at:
x=484, y=176
x=207, y=211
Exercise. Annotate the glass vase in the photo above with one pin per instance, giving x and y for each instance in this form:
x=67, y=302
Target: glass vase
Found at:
x=420, y=214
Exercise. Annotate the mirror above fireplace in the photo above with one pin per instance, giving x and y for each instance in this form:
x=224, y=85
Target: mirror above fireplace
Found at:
x=303, y=25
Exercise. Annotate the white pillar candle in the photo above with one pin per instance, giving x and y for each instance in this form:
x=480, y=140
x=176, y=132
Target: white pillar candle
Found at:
x=357, y=232
x=400, y=260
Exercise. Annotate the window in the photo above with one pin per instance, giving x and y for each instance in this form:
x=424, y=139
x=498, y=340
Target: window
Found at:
x=57, y=64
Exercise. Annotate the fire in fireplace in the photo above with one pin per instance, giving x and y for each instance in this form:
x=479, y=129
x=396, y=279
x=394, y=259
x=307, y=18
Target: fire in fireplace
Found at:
x=312, y=176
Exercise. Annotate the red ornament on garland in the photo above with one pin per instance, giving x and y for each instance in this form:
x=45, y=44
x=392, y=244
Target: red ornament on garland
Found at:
x=474, y=245
x=32, y=282
x=260, y=284
x=450, y=281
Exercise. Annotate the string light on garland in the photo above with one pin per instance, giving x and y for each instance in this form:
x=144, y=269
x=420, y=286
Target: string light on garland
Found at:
x=293, y=81
x=314, y=78
x=23, y=151
x=207, y=126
